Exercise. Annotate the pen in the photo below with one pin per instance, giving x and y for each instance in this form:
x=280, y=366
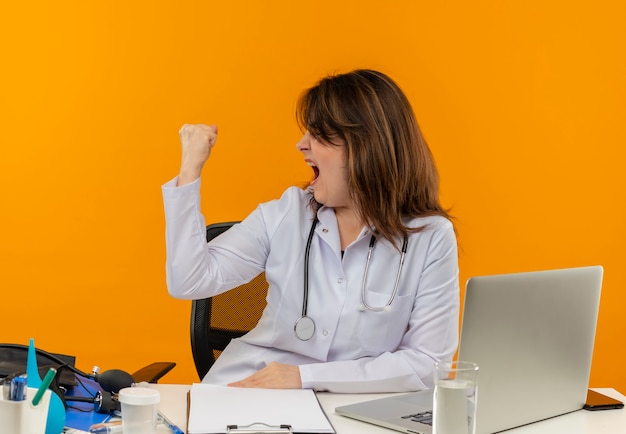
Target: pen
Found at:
x=44, y=386
x=106, y=428
x=170, y=425
x=18, y=388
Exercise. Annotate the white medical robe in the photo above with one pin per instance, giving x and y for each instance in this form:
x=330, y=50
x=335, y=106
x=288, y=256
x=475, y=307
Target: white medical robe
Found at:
x=353, y=350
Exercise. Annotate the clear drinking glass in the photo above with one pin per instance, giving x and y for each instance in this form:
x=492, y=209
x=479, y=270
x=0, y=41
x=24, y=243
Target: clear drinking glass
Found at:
x=454, y=402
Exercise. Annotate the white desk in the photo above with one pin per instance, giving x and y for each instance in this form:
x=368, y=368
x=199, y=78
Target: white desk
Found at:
x=174, y=406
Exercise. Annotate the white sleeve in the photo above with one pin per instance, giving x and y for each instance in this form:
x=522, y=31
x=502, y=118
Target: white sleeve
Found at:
x=195, y=269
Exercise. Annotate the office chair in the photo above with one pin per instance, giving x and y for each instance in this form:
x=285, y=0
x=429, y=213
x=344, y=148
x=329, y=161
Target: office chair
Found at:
x=217, y=320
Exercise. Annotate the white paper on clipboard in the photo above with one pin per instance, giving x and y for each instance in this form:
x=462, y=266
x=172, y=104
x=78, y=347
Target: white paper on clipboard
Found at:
x=213, y=408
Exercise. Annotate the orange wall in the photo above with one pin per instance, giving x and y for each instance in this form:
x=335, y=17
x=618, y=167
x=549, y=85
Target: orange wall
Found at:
x=523, y=104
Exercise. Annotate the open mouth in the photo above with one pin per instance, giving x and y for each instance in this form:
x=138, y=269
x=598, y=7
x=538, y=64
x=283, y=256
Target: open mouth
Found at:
x=316, y=171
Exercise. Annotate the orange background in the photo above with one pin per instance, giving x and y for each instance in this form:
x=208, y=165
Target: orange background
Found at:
x=523, y=104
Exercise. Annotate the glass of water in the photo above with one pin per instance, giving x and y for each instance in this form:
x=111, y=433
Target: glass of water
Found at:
x=454, y=402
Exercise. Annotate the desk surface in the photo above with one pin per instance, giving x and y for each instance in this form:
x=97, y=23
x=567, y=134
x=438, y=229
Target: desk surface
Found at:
x=174, y=406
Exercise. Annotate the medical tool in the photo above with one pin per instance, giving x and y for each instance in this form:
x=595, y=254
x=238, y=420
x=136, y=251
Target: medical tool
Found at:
x=305, y=326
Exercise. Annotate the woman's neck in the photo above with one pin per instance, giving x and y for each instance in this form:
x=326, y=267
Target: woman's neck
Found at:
x=349, y=224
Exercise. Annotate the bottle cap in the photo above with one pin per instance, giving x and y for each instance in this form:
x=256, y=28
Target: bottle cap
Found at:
x=139, y=396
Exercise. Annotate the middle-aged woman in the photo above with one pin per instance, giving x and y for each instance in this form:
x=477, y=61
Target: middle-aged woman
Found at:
x=381, y=294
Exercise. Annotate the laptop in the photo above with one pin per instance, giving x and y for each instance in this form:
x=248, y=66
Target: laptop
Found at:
x=532, y=336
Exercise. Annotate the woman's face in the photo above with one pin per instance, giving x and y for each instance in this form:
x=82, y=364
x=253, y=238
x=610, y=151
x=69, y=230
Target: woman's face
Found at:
x=330, y=173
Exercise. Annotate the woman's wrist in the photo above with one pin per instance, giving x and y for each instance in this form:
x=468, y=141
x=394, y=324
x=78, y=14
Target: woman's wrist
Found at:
x=187, y=176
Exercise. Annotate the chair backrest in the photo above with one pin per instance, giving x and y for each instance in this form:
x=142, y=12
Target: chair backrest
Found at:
x=217, y=320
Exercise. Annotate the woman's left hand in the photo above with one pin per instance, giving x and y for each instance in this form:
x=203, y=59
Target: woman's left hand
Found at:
x=273, y=376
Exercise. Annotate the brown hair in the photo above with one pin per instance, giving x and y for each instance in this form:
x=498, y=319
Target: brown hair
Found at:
x=391, y=171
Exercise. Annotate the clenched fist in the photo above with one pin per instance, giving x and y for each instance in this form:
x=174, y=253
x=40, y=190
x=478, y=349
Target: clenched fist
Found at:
x=197, y=141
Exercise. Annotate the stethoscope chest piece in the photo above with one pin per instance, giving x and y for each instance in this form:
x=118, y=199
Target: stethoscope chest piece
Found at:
x=304, y=328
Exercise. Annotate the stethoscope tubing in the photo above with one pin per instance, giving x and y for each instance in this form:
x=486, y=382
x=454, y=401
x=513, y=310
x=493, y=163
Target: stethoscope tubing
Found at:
x=307, y=252
x=304, y=327
x=366, y=306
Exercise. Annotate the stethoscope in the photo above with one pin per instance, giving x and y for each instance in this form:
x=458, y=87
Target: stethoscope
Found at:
x=305, y=326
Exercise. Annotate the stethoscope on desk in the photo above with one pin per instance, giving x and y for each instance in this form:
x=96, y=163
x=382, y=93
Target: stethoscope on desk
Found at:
x=305, y=326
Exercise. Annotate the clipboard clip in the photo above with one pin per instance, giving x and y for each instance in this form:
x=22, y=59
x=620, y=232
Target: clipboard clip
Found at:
x=258, y=428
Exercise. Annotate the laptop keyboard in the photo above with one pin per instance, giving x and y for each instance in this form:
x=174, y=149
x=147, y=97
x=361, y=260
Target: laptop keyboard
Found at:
x=425, y=417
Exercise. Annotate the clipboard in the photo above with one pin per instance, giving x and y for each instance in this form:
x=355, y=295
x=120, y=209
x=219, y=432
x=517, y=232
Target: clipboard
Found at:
x=231, y=410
